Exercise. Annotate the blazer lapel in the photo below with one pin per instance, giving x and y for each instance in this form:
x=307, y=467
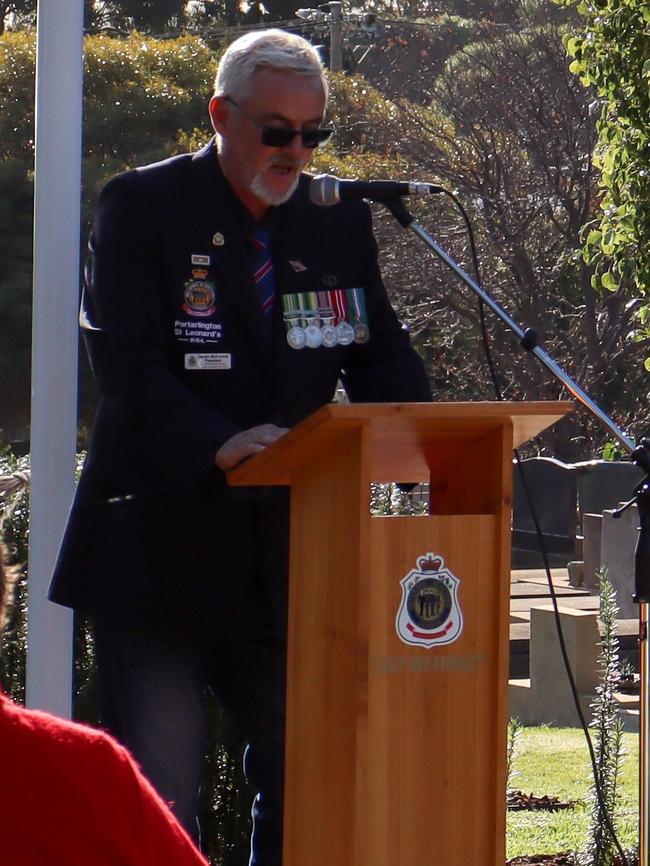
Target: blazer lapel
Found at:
x=299, y=255
x=297, y=251
x=223, y=226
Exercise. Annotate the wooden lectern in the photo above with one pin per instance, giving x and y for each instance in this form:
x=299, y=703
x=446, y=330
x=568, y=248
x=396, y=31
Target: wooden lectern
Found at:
x=396, y=751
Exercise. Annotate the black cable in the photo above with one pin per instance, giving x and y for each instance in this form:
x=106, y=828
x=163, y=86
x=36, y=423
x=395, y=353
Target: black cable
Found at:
x=481, y=305
x=542, y=547
x=565, y=658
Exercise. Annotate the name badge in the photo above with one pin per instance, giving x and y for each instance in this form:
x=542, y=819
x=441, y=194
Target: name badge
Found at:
x=208, y=361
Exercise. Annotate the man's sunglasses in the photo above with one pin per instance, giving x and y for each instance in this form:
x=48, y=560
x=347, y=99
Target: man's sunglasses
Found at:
x=282, y=136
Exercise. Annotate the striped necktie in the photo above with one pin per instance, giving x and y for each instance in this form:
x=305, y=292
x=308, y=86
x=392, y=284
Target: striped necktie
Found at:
x=263, y=269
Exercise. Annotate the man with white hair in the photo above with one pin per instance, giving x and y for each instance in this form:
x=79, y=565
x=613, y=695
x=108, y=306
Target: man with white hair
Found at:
x=221, y=308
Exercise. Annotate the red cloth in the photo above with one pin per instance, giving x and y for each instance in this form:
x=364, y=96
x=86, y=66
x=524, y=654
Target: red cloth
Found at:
x=71, y=796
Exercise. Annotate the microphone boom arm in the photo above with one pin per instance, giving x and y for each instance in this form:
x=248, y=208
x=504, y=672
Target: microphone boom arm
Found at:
x=528, y=337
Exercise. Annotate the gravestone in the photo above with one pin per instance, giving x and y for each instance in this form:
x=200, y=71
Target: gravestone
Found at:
x=553, y=489
x=592, y=531
x=617, y=547
x=605, y=483
x=546, y=698
x=609, y=542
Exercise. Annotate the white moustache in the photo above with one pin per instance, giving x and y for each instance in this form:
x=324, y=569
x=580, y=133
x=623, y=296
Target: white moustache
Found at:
x=284, y=162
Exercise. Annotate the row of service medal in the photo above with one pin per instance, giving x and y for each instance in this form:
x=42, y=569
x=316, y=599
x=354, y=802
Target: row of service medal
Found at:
x=313, y=336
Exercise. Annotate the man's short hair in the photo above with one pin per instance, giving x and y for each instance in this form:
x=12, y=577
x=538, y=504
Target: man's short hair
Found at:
x=265, y=49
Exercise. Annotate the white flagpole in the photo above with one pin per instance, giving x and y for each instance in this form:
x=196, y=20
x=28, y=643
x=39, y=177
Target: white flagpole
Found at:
x=57, y=204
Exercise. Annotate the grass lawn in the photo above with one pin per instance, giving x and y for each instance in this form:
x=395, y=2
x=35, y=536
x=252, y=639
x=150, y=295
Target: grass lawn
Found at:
x=555, y=761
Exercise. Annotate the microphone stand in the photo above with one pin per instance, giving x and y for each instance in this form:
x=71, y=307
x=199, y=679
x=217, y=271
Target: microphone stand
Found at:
x=640, y=455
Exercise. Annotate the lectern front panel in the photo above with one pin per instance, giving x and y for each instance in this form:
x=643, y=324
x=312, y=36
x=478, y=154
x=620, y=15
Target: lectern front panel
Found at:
x=435, y=744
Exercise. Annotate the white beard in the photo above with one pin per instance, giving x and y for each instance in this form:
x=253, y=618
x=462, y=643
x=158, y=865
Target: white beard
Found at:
x=259, y=187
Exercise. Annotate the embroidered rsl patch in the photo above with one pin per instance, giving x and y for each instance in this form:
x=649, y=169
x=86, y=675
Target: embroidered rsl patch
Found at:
x=208, y=361
x=199, y=294
x=429, y=614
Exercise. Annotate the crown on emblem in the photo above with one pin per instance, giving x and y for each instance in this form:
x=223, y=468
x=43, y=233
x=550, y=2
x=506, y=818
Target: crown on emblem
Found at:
x=429, y=562
x=199, y=273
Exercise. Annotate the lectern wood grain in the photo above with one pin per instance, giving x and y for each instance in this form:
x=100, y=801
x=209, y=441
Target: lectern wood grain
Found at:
x=327, y=654
x=436, y=745
x=396, y=752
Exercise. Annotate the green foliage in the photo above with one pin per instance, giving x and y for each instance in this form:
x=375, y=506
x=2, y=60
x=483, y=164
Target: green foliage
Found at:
x=149, y=90
x=138, y=94
x=503, y=11
x=14, y=535
x=612, y=54
x=24, y=10
x=16, y=196
x=608, y=736
x=555, y=761
x=409, y=56
x=392, y=498
x=17, y=64
x=362, y=115
x=613, y=451
x=515, y=729
x=496, y=10
x=367, y=126
x=149, y=14
x=225, y=800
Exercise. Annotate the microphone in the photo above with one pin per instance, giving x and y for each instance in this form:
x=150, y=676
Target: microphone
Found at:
x=325, y=189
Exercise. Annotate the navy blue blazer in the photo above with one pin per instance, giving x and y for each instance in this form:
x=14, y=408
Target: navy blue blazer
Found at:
x=169, y=282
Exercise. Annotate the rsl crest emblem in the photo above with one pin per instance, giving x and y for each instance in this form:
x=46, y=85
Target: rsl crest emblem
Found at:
x=429, y=614
x=199, y=294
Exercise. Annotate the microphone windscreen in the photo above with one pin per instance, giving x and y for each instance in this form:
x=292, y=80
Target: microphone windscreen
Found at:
x=323, y=190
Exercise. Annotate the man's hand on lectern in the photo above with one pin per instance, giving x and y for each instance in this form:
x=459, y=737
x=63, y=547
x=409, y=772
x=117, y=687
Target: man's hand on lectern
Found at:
x=245, y=444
